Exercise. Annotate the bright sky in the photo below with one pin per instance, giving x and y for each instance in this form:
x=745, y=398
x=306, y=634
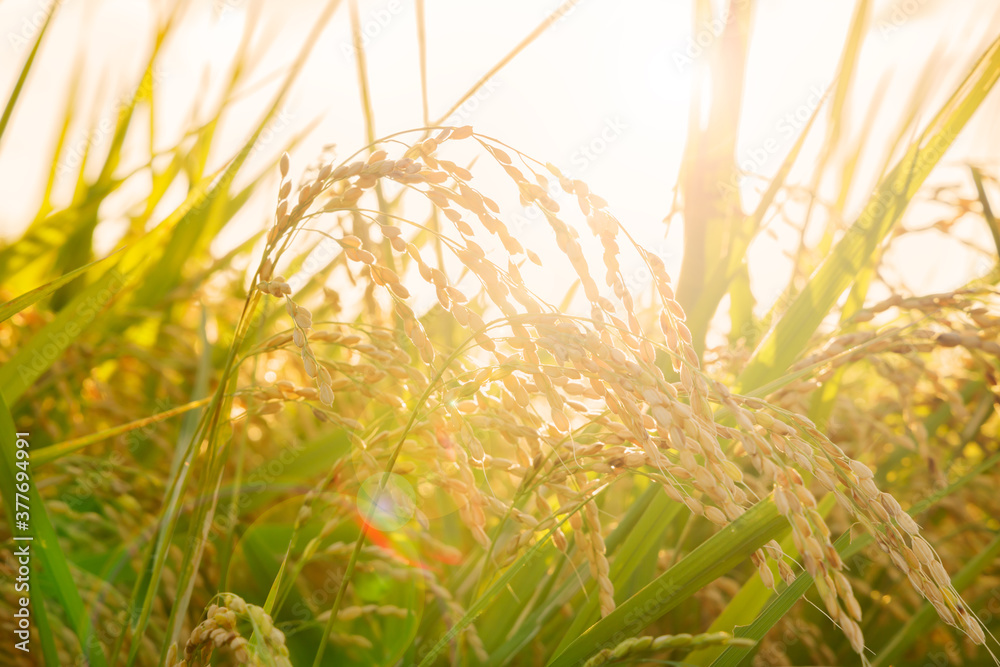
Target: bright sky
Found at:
x=603, y=94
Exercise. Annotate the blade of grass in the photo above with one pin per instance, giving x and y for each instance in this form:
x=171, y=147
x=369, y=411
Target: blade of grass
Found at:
x=753, y=595
x=781, y=604
x=54, y=161
x=49, y=651
x=219, y=410
x=713, y=558
x=18, y=304
x=48, y=345
x=422, y=47
x=842, y=86
x=712, y=208
x=44, y=543
x=920, y=623
x=741, y=303
x=632, y=566
x=57, y=451
x=568, y=588
x=15, y=94
x=792, y=332
x=988, y=216
x=564, y=7
x=500, y=584
x=79, y=248
x=723, y=272
x=750, y=599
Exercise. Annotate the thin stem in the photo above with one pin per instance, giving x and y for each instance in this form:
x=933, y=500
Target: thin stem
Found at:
x=422, y=45
x=359, y=544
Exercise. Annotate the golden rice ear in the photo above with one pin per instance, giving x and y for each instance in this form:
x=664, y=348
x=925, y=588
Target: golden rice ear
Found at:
x=534, y=396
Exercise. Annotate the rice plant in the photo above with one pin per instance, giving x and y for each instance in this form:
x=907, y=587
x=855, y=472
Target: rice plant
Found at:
x=363, y=433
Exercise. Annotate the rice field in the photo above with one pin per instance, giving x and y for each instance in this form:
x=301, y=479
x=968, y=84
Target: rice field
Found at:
x=278, y=394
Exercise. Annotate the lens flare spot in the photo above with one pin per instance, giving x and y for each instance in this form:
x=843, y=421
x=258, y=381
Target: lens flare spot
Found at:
x=389, y=509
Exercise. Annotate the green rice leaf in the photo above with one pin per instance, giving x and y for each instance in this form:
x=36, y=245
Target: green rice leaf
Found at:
x=51, y=567
x=789, y=337
x=18, y=304
x=715, y=557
